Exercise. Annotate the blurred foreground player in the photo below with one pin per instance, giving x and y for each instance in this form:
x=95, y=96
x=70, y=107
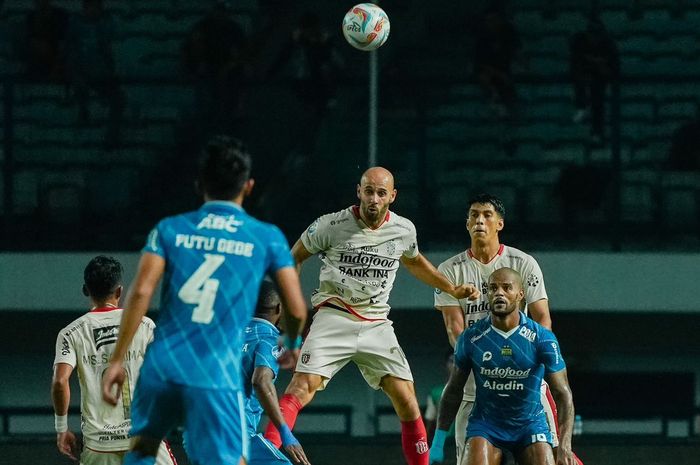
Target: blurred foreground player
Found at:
x=213, y=260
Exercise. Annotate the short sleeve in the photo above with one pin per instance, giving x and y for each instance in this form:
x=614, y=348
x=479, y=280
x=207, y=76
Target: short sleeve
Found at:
x=280, y=256
x=410, y=242
x=441, y=298
x=266, y=354
x=463, y=353
x=549, y=352
x=65, y=349
x=154, y=242
x=316, y=237
x=533, y=281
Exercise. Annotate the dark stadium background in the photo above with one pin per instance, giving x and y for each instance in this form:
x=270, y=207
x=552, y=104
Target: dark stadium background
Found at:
x=615, y=223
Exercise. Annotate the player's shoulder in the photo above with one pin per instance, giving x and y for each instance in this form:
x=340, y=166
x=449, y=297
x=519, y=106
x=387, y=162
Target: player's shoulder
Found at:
x=149, y=323
x=475, y=331
x=538, y=332
x=517, y=255
x=339, y=217
x=401, y=221
x=455, y=261
x=75, y=325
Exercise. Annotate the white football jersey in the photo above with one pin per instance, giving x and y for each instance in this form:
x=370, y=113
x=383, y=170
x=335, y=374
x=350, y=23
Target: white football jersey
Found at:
x=88, y=343
x=359, y=263
x=463, y=268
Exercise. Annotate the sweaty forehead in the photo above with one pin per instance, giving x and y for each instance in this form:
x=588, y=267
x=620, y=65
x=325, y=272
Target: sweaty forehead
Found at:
x=504, y=276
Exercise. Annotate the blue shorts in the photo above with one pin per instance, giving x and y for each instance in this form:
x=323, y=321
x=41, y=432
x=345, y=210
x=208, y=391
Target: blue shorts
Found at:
x=213, y=418
x=512, y=439
x=263, y=452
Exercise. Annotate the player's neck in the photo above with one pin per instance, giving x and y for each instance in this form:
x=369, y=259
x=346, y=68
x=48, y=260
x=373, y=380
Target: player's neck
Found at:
x=110, y=303
x=485, y=251
x=506, y=322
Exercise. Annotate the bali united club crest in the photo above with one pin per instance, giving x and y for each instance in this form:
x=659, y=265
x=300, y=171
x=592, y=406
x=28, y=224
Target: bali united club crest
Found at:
x=305, y=357
x=390, y=247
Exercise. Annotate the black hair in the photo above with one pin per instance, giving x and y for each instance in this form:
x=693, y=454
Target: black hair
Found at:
x=102, y=276
x=224, y=167
x=268, y=298
x=485, y=198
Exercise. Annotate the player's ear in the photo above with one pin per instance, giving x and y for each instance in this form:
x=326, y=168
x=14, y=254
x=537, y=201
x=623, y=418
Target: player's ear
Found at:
x=118, y=292
x=393, y=196
x=501, y=223
x=248, y=186
x=86, y=293
x=358, y=192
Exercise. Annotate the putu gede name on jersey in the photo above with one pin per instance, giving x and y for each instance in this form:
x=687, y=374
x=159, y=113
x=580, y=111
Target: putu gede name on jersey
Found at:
x=227, y=223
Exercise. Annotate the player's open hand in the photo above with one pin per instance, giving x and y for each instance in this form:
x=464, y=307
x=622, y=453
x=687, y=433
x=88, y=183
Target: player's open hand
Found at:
x=112, y=381
x=296, y=453
x=466, y=291
x=288, y=359
x=68, y=445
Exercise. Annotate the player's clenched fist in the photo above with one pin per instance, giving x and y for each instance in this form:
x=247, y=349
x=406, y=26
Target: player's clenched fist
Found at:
x=465, y=291
x=112, y=381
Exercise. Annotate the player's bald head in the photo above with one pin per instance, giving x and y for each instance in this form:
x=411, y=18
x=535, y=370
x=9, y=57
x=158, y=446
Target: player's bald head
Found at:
x=379, y=177
x=507, y=275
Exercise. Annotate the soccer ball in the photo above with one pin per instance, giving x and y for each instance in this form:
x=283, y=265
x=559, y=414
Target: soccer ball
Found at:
x=366, y=26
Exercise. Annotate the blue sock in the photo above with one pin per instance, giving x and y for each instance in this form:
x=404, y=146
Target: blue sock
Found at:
x=134, y=458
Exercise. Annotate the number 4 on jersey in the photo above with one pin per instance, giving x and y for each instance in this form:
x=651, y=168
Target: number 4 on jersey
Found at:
x=201, y=288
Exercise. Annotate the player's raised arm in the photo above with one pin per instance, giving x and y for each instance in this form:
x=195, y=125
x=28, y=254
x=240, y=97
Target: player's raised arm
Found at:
x=267, y=395
x=559, y=385
x=148, y=275
x=421, y=268
x=453, y=316
x=294, y=313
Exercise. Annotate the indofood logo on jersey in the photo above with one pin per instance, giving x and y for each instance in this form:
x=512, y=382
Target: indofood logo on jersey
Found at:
x=366, y=265
x=509, y=373
x=106, y=335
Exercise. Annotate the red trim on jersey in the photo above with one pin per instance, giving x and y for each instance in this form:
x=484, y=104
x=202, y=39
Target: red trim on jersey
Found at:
x=347, y=307
x=104, y=309
x=501, y=248
x=170, y=452
x=356, y=213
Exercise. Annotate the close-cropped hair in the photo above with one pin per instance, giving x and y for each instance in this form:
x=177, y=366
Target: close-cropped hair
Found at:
x=102, y=276
x=224, y=167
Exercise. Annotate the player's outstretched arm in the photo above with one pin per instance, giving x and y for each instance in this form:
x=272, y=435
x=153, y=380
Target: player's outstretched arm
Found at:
x=60, y=395
x=449, y=404
x=150, y=270
x=267, y=395
x=294, y=313
x=559, y=385
x=421, y=268
x=453, y=316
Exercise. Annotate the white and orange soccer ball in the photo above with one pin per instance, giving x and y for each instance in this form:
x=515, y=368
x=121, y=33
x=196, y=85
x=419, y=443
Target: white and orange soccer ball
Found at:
x=366, y=26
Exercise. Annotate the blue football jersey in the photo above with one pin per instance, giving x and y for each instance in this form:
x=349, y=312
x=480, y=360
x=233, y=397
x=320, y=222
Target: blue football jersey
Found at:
x=260, y=349
x=215, y=258
x=508, y=369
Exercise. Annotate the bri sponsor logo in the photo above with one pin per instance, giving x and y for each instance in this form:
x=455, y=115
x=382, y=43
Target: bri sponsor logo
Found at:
x=509, y=373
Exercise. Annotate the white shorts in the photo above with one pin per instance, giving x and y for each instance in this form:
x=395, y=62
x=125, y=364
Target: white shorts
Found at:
x=95, y=457
x=337, y=338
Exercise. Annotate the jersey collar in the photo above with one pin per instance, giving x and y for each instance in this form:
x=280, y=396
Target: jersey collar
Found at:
x=104, y=309
x=501, y=248
x=356, y=213
x=217, y=204
x=264, y=321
